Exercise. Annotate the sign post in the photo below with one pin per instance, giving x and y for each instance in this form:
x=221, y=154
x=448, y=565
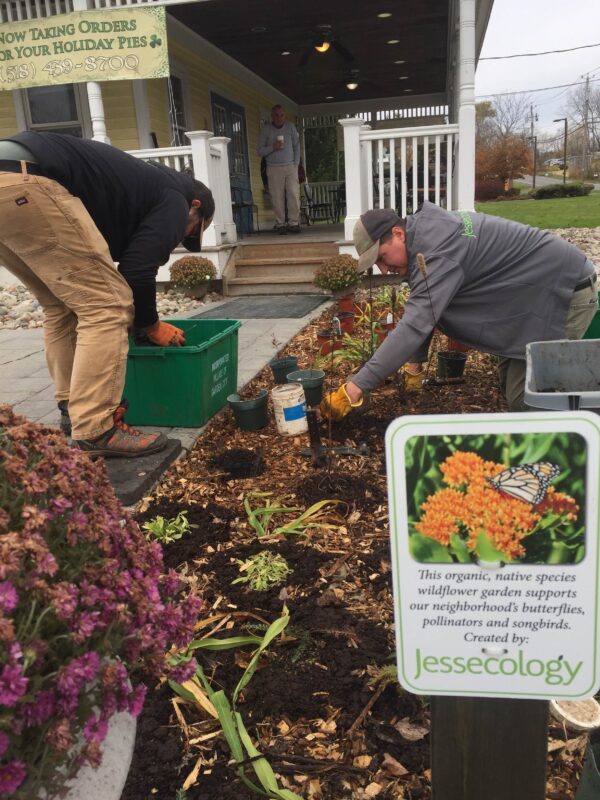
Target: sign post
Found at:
x=494, y=527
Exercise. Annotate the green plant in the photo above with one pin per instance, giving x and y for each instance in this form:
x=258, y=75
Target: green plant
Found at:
x=189, y=271
x=562, y=190
x=263, y=570
x=181, y=794
x=166, y=531
x=338, y=272
x=261, y=518
x=238, y=739
x=84, y=608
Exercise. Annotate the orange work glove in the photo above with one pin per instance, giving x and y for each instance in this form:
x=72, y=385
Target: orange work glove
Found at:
x=165, y=335
x=336, y=405
x=413, y=381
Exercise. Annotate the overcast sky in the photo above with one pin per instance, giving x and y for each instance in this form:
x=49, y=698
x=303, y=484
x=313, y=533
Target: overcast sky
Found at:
x=532, y=26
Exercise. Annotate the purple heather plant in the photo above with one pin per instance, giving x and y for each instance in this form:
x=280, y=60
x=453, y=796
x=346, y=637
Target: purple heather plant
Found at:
x=85, y=609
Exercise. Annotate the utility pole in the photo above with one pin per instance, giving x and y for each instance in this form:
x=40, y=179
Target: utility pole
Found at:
x=534, y=140
x=564, y=119
x=584, y=154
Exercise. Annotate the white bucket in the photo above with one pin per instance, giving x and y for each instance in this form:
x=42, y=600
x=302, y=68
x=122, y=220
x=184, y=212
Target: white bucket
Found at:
x=289, y=405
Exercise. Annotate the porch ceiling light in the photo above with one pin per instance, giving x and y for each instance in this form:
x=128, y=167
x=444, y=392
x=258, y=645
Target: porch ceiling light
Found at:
x=400, y=62
x=384, y=15
x=322, y=45
x=393, y=41
x=352, y=85
x=286, y=53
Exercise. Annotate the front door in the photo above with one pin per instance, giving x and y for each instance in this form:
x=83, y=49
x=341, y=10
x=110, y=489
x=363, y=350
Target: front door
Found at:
x=229, y=120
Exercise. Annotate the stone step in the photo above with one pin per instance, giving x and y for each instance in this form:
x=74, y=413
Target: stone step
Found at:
x=259, y=269
x=237, y=287
x=287, y=249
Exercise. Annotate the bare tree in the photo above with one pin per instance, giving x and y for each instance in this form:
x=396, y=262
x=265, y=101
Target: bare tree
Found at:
x=512, y=115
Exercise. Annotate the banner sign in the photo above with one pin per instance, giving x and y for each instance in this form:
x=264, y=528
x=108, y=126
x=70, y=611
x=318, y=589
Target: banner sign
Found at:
x=494, y=529
x=110, y=45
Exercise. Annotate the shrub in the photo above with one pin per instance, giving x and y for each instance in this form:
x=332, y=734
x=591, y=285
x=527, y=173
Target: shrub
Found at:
x=562, y=190
x=84, y=609
x=488, y=190
x=338, y=272
x=189, y=271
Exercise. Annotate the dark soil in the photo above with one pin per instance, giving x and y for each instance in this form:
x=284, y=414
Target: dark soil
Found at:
x=238, y=463
x=319, y=705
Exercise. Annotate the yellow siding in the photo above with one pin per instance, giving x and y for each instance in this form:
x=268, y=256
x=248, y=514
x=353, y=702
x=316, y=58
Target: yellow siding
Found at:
x=158, y=110
x=8, y=118
x=119, y=112
x=204, y=77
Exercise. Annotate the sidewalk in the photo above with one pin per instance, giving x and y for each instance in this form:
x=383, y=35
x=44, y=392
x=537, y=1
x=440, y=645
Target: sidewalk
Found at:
x=26, y=385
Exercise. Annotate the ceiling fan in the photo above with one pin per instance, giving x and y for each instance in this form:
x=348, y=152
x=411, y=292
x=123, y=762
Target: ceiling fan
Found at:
x=322, y=38
x=354, y=79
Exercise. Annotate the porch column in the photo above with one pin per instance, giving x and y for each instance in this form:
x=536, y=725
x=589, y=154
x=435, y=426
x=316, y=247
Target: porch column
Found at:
x=466, y=109
x=94, y=93
x=200, y=141
x=353, y=176
x=222, y=188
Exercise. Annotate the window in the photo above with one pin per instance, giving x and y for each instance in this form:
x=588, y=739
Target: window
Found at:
x=177, y=115
x=54, y=109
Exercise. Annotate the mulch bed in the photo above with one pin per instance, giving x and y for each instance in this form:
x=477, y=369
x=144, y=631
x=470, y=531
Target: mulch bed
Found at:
x=321, y=706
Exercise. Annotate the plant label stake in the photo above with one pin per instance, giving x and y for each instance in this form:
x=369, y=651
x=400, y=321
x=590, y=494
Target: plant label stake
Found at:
x=495, y=618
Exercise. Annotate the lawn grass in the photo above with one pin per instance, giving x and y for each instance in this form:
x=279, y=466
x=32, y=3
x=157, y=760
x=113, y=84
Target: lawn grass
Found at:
x=562, y=212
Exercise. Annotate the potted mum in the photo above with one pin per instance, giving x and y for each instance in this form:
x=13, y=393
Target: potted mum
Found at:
x=192, y=274
x=84, y=610
x=339, y=275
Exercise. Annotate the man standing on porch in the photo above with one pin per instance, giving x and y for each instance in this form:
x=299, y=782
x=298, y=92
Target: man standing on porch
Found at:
x=280, y=145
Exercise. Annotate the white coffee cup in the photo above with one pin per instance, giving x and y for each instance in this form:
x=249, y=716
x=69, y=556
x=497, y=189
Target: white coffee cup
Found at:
x=280, y=138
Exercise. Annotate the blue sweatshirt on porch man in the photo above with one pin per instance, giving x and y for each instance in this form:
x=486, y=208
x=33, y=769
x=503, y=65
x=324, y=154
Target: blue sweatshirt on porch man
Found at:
x=140, y=209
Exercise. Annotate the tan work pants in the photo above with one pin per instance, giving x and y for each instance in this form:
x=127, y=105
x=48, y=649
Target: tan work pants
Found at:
x=49, y=241
x=511, y=371
x=284, y=186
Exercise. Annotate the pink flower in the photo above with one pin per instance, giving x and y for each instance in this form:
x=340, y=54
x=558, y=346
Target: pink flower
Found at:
x=40, y=710
x=59, y=736
x=95, y=729
x=136, y=700
x=8, y=597
x=183, y=672
x=13, y=685
x=12, y=776
x=4, y=742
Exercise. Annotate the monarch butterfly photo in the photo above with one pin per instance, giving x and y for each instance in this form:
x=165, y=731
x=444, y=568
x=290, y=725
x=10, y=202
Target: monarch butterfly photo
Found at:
x=526, y=482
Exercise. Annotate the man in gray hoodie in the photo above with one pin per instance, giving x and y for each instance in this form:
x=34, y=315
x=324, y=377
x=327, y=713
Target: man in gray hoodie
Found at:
x=491, y=283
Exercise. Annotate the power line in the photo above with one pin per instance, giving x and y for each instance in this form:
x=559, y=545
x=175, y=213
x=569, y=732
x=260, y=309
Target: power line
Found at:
x=531, y=91
x=543, y=53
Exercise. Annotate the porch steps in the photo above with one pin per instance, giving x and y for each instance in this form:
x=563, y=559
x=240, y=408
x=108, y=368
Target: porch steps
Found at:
x=276, y=268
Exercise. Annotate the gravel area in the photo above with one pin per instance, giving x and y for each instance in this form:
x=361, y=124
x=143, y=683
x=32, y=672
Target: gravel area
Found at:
x=18, y=309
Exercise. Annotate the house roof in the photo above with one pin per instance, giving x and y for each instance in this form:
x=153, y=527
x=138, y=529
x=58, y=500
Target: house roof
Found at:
x=257, y=32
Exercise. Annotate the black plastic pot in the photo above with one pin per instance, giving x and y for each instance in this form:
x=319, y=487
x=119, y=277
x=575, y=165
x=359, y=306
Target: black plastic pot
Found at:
x=450, y=364
x=311, y=381
x=250, y=415
x=589, y=785
x=281, y=366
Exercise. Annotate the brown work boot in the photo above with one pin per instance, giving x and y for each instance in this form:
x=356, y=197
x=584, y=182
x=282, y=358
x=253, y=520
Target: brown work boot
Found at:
x=122, y=441
x=65, y=419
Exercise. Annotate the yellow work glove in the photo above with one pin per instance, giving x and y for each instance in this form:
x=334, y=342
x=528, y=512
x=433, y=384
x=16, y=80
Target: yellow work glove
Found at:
x=336, y=405
x=164, y=334
x=413, y=382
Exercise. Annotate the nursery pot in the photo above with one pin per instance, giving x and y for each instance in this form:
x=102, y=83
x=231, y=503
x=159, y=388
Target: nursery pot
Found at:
x=281, y=366
x=289, y=407
x=327, y=342
x=198, y=291
x=450, y=364
x=346, y=319
x=311, y=381
x=454, y=344
x=589, y=785
x=346, y=303
x=250, y=415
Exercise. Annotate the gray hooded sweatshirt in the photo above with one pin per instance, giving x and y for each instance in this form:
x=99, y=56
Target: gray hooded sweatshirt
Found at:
x=491, y=283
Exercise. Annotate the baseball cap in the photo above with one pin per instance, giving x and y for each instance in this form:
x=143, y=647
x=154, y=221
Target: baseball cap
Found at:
x=368, y=230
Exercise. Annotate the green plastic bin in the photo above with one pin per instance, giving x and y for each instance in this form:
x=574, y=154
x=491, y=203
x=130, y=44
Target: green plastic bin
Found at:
x=593, y=332
x=183, y=386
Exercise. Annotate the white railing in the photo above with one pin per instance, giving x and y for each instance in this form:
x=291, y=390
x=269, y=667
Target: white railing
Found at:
x=18, y=10
x=397, y=168
x=207, y=156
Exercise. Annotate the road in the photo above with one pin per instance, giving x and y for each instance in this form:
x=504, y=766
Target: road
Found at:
x=542, y=180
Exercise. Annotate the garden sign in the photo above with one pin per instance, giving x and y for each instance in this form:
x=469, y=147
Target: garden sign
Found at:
x=117, y=44
x=494, y=529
